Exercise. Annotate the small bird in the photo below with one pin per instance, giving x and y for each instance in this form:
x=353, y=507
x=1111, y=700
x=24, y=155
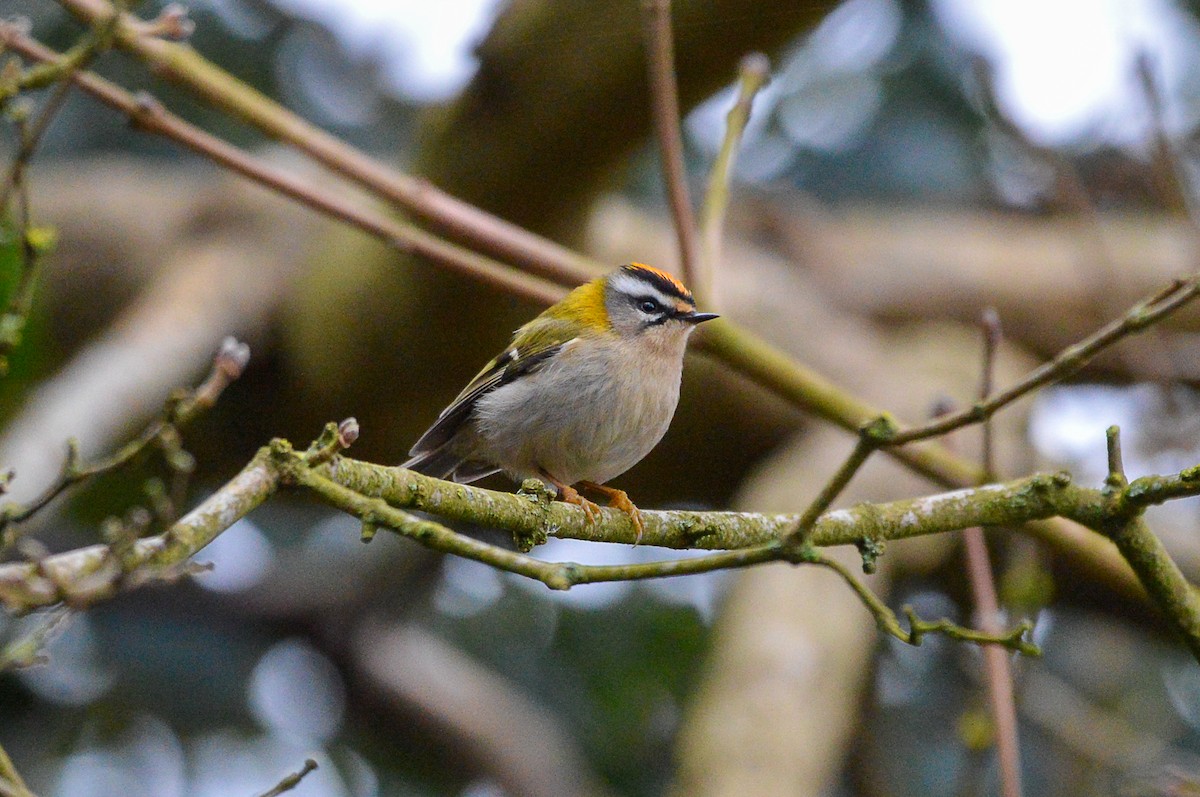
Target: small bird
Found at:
x=581, y=394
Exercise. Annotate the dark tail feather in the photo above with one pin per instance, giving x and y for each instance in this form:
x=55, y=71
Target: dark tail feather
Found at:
x=438, y=463
x=472, y=470
x=443, y=464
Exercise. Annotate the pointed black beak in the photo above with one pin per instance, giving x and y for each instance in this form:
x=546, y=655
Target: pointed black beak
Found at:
x=698, y=318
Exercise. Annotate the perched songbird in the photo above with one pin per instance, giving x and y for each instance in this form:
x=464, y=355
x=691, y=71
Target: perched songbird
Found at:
x=583, y=392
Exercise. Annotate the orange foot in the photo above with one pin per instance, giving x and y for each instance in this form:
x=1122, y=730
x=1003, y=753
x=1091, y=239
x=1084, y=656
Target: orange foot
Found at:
x=569, y=495
x=619, y=499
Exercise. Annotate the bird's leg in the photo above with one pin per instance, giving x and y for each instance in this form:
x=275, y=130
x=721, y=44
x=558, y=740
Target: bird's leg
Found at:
x=569, y=495
x=619, y=499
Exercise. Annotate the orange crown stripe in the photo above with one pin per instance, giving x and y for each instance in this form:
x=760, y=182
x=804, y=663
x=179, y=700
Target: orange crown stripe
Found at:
x=664, y=276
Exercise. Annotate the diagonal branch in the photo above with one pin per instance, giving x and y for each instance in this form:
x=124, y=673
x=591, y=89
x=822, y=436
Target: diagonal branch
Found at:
x=1137, y=319
x=148, y=115
x=181, y=64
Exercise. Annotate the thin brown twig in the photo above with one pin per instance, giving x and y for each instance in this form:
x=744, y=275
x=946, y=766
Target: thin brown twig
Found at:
x=76, y=60
x=31, y=138
x=291, y=781
x=664, y=98
x=1099, y=274
x=1068, y=361
x=999, y=675
x=1170, y=180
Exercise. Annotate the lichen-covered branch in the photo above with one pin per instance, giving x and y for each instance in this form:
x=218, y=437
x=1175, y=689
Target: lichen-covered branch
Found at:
x=379, y=496
x=760, y=537
x=376, y=513
x=1155, y=568
x=1168, y=588
x=533, y=515
x=85, y=575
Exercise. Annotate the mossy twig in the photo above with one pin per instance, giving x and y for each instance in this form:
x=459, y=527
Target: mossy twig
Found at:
x=752, y=75
x=181, y=408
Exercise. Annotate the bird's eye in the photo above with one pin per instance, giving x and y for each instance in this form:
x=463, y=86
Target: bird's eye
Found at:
x=649, y=306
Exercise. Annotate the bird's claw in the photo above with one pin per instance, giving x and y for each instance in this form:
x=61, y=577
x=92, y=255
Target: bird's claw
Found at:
x=619, y=499
x=569, y=495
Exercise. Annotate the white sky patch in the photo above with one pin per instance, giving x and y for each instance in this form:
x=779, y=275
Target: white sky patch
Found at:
x=424, y=47
x=241, y=558
x=1067, y=425
x=1065, y=69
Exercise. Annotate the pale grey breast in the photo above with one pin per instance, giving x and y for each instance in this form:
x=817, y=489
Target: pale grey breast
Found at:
x=589, y=414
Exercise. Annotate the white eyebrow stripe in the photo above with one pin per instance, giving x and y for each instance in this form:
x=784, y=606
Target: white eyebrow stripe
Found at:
x=630, y=285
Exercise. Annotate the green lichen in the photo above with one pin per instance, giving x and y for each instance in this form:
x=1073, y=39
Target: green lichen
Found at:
x=870, y=550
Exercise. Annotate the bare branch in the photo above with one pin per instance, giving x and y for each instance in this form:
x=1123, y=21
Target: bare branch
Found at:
x=291, y=781
x=466, y=222
x=886, y=619
x=751, y=77
x=664, y=95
